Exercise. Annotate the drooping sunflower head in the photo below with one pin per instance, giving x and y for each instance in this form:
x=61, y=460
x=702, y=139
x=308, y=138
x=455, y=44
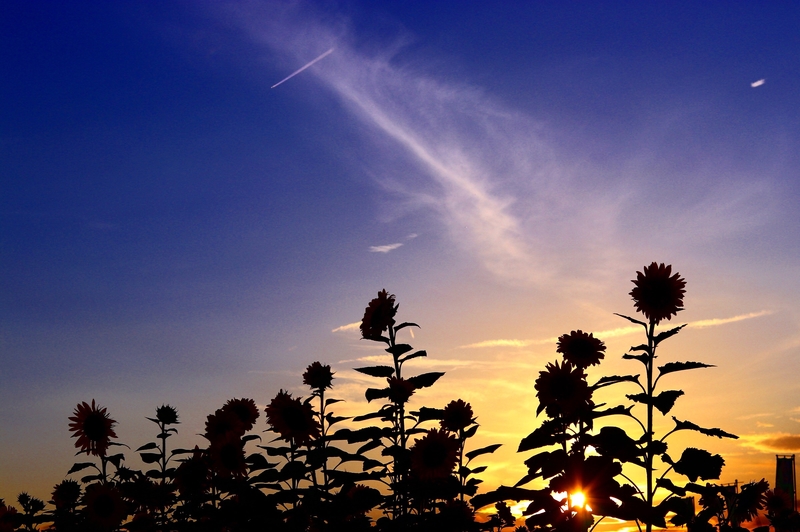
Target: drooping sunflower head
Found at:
x=245, y=411
x=581, y=349
x=168, y=415
x=434, y=455
x=223, y=424
x=658, y=294
x=318, y=376
x=562, y=390
x=93, y=427
x=457, y=415
x=378, y=316
x=292, y=418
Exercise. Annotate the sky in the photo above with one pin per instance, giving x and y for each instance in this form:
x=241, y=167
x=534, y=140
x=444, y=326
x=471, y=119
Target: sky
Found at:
x=177, y=226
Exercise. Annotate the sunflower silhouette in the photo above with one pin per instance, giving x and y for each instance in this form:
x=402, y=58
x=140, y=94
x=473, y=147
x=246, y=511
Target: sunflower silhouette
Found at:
x=562, y=389
x=66, y=495
x=378, y=316
x=167, y=415
x=318, y=376
x=434, y=455
x=93, y=427
x=581, y=349
x=457, y=415
x=245, y=411
x=104, y=506
x=658, y=294
x=292, y=419
x=400, y=390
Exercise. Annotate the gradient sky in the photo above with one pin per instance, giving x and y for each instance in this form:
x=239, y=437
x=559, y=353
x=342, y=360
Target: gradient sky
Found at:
x=173, y=230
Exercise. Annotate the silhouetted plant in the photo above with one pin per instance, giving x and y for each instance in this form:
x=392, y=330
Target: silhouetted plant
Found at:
x=567, y=399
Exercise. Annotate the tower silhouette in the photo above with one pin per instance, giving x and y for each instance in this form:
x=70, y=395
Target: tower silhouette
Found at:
x=785, y=479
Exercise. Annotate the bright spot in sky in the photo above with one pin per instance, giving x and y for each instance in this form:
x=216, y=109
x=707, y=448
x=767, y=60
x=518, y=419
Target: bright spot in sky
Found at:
x=577, y=499
x=758, y=83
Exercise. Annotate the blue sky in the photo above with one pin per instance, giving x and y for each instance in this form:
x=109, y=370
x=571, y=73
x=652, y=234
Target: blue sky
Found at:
x=173, y=230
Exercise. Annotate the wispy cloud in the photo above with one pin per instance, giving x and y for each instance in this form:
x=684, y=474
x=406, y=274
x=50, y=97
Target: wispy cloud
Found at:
x=500, y=186
x=349, y=327
x=611, y=333
x=775, y=442
x=385, y=249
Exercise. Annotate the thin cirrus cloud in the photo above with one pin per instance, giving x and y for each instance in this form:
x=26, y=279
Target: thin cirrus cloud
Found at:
x=498, y=184
x=611, y=333
x=776, y=442
x=386, y=248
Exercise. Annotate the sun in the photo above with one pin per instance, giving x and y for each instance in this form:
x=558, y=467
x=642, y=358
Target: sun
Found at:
x=577, y=499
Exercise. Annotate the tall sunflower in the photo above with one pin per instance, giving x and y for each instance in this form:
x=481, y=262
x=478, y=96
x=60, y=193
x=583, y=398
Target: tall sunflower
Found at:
x=581, y=349
x=378, y=316
x=93, y=427
x=292, y=419
x=658, y=294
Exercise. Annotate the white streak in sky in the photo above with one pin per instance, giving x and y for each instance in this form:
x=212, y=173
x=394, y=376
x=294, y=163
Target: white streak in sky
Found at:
x=296, y=72
x=758, y=83
x=612, y=333
x=349, y=327
x=384, y=249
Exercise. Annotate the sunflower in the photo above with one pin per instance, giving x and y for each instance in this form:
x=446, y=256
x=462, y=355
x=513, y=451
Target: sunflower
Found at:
x=562, y=390
x=292, y=419
x=318, y=377
x=457, y=415
x=245, y=410
x=434, y=455
x=227, y=457
x=378, y=316
x=104, y=507
x=658, y=294
x=66, y=494
x=222, y=424
x=192, y=476
x=8, y=517
x=167, y=415
x=400, y=390
x=93, y=427
x=581, y=349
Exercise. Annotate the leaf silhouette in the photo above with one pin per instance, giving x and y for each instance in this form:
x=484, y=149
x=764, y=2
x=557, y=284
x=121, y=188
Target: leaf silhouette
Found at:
x=426, y=379
x=641, y=358
x=614, y=379
x=506, y=493
x=376, y=371
x=660, y=337
x=632, y=320
x=549, y=433
x=483, y=450
x=688, y=425
x=699, y=463
x=80, y=466
x=399, y=349
x=420, y=353
x=672, y=367
x=663, y=401
x=404, y=325
x=374, y=393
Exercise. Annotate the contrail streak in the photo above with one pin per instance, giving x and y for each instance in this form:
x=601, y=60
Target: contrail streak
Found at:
x=296, y=72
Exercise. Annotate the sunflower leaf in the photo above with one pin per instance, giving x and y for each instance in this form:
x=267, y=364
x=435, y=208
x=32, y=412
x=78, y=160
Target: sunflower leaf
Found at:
x=483, y=450
x=418, y=354
x=426, y=379
x=660, y=337
x=632, y=320
x=614, y=379
x=663, y=401
x=672, y=367
x=399, y=349
x=376, y=371
x=427, y=414
x=329, y=402
x=641, y=358
x=374, y=393
x=150, y=458
x=80, y=466
x=404, y=325
x=688, y=425
x=147, y=447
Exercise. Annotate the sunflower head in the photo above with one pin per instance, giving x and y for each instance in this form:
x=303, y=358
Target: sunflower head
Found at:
x=227, y=457
x=562, y=390
x=104, y=506
x=245, y=410
x=378, y=316
x=457, y=415
x=193, y=476
x=292, y=419
x=434, y=455
x=167, y=415
x=400, y=390
x=318, y=376
x=223, y=424
x=581, y=349
x=658, y=294
x=93, y=427
x=66, y=494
